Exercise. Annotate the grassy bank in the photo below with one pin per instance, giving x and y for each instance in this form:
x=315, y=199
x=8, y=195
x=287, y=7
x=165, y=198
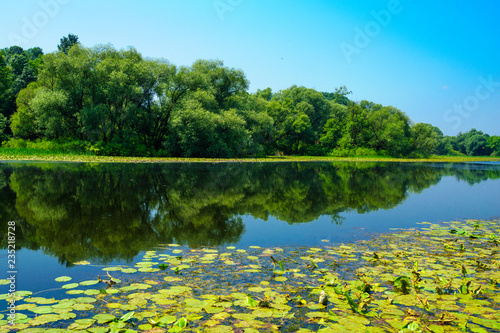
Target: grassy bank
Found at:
x=27, y=154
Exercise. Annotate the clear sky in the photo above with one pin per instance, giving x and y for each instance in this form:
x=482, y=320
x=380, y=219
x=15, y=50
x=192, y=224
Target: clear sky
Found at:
x=438, y=61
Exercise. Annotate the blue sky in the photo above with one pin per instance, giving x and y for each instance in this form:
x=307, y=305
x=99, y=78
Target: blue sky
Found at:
x=436, y=61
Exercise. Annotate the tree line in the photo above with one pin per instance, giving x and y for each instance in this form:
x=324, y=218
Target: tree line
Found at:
x=101, y=100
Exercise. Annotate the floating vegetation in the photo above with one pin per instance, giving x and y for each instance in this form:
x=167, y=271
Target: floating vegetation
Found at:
x=439, y=278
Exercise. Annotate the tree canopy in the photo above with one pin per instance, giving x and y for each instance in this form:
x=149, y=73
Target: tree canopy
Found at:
x=116, y=102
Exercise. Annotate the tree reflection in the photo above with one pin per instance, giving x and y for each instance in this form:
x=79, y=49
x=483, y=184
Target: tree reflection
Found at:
x=103, y=212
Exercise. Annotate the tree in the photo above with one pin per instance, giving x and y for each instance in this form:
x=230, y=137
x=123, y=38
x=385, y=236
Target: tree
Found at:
x=389, y=129
x=494, y=144
x=339, y=96
x=356, y=131
x=425, y=138
x=67, y=42
x=477, y=145
x=23, y=121
x=472, y=143
x=200, y=133
x=51, y=112
x=3, y=126
x=5, y=79
x=22, y=68
x=220, y=81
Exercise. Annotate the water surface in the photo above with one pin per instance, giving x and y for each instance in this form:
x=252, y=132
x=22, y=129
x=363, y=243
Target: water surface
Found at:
x=111, y=213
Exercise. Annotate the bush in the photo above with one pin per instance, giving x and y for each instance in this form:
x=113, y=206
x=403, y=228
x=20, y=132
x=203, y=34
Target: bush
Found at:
x=121, y=147
x=455, y=153
x=15, y=143
x=56, y=146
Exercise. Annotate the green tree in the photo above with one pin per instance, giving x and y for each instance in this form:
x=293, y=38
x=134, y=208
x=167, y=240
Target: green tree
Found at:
x=67, y=42
x=3, y=126
x=5, y=81
x=356, y=130
x=23, y=123
x=197, y=132
x=494, y=144
x=472, y=143
x=477, y=145
x=51, y=112
x=339, y=96
x=426, y=139
x=220, y=81
x=389, y=130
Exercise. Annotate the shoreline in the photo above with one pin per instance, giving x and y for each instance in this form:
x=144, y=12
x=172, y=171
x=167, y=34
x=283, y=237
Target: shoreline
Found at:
x=122, y=159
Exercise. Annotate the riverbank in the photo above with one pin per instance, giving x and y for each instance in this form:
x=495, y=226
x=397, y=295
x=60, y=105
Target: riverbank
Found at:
x=17, y=155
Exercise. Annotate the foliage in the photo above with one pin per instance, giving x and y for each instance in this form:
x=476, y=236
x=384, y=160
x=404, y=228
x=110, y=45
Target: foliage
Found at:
x=3, y=126
x=18, y=68
x=67, y=42
x=426, y=138
x=494, y=144
x=124, y=104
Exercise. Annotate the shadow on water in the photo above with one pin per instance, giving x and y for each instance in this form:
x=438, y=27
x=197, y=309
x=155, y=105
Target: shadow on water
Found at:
x=105, y=212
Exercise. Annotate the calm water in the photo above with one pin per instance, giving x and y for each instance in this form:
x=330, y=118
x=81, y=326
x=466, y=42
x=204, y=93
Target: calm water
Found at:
x=111, y=213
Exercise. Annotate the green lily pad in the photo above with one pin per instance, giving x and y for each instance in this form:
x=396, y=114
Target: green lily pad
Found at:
x=63, y=279
x=70, y=286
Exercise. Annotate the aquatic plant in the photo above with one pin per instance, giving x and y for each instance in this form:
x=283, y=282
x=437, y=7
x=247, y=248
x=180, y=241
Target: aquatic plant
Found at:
x=438, y=278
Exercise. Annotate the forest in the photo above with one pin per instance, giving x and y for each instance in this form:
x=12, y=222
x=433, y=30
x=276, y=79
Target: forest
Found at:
x=103, y=101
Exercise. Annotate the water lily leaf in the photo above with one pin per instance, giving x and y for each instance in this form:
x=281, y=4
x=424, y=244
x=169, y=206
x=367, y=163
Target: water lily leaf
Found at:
x=221, y=329
x=98, y=330
x=23, y=293
x=103, y=318
x=85, y=300
x=114, y=305
x=70, y=286
x=23, y=307
x=182, y=323
x=44, y=319
x=42, y=309
x=317, y=315
x=263, y=312
x=127, y=316
x=251, y=302
x=89, y=283
x=74, y=292
x=81, y=324
x=81, y=263
x=167, y=319
x=63, y=305
x=82, y=306
x=40, y=300
x=63, y=279
x=91, y=292
x=112, y=269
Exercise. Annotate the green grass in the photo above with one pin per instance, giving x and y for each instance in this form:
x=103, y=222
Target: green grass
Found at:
x=31, y=154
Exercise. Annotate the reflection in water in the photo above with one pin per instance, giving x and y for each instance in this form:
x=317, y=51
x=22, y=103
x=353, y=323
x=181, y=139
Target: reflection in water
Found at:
x=102, y=212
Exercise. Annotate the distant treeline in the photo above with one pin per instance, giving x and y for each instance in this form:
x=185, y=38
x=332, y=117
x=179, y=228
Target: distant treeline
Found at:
x=115, y=102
